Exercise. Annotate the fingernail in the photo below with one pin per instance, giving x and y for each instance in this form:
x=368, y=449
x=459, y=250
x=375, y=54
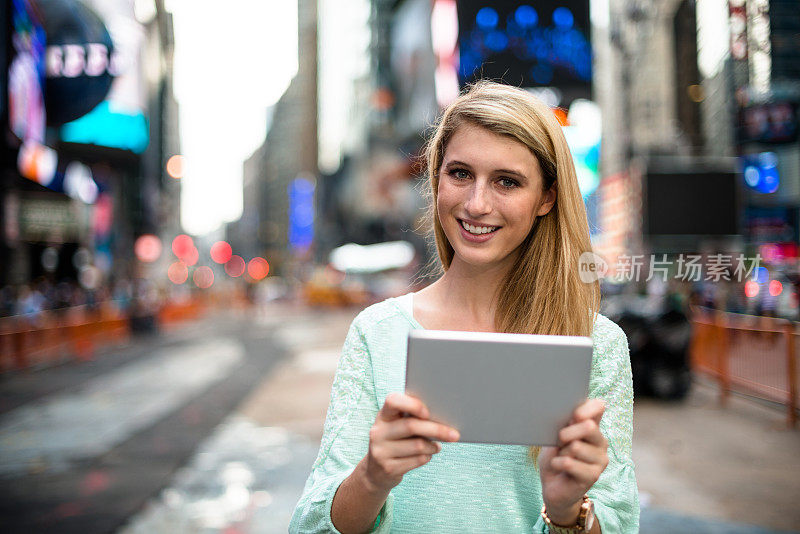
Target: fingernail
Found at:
x=454, y=435
x=438, y=446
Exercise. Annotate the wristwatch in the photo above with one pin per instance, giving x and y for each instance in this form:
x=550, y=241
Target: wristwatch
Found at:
x=584, y=524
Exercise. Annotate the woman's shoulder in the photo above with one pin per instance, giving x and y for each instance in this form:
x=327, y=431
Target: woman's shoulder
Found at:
x=606, y=333
x=389, y=312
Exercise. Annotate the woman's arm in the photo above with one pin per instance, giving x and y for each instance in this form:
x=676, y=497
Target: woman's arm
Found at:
x=615, y=494
x=364, y=451
x=612, y=488
x=400, y=440
x=345, y=440
x=568, y=470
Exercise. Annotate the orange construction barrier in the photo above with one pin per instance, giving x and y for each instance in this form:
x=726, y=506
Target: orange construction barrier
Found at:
x=75, y=333
x=750, y=354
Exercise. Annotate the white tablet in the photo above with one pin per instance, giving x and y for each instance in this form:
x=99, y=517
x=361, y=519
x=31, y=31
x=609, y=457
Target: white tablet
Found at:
x=499, y=388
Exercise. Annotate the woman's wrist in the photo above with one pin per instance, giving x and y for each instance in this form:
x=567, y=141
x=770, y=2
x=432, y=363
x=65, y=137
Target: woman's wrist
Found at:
x=371, y=489
x=565, y=516
x=357, y=502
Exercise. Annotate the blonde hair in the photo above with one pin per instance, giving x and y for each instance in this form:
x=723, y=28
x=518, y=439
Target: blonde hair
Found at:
x=542, y=292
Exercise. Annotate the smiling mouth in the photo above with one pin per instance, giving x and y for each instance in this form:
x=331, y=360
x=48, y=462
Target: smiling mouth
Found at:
x=477, y=230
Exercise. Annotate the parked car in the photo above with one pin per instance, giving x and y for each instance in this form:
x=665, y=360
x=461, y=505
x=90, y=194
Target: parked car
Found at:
x=658, y=337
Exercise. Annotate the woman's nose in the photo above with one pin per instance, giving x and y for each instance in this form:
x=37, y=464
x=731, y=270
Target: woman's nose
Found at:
x=478, y=202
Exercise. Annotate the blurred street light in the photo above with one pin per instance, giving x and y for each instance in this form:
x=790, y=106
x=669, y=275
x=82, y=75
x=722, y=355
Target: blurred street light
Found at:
x=175, y=166
x=178, y=273
x=221, y=252
x=258, y=268
x=147, y=248
x=235, y=266
x=203, y=277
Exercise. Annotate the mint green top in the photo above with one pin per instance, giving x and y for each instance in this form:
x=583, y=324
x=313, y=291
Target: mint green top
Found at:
x=466, y=487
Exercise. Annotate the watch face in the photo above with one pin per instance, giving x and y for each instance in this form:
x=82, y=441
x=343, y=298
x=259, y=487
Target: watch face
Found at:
x=589, y=517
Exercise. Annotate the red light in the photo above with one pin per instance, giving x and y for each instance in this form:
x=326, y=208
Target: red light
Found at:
x=235, y=266
x=221, y=252
x=182, y=246
x=203, y=277
x=147, y=248
x=178, y=273
x=751, y=288
x=258, y=268
x=192, y=257
x=775, y=288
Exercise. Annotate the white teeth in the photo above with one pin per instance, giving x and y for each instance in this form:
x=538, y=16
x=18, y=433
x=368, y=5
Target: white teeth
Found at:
x=478, y=229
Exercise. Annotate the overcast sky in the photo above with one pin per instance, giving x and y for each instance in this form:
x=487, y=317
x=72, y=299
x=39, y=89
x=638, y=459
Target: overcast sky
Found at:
x=233, y=59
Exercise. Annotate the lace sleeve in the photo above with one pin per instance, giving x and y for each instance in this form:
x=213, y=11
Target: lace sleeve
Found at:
x=351, y=413
x=615, y=494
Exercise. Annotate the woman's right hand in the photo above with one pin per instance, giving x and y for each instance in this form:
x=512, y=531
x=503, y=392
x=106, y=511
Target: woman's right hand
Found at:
x=402, y=438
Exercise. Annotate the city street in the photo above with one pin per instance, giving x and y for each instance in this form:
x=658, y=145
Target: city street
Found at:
x=213, y=428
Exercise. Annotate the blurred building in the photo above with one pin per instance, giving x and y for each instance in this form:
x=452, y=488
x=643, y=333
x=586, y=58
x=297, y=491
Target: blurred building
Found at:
x=93, y=179
x=378, y=106
x=690, y=98
x=289, y=153
x=418, y=56
x=695, y=107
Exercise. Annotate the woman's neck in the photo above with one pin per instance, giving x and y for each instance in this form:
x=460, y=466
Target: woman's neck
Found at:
x=471, y=293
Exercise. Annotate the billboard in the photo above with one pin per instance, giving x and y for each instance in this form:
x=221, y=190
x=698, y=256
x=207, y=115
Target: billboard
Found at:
x=771, y=122
x=691, y=203
x=119, y=121
x=527, y=44
x=26, y=73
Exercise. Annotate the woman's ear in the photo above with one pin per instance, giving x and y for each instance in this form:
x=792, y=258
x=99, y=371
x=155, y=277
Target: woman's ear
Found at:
x=548, y=200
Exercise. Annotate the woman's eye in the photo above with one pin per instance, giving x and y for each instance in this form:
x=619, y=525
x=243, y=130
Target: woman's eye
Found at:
x=508, y=182
x=460, y=174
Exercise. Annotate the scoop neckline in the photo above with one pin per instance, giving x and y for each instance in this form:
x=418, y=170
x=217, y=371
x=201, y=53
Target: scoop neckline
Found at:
x=407, y=309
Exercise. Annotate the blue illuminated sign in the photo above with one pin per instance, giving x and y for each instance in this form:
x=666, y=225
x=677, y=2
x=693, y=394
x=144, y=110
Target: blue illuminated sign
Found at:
x=301, y=213
x=105, y=127
x=761, y=171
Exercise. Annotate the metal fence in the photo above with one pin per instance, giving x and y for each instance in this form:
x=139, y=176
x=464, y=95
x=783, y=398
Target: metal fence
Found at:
x=56, y=336
x=750, y=354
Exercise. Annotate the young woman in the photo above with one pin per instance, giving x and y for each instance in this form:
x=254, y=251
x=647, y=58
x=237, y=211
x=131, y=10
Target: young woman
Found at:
x=509, y=226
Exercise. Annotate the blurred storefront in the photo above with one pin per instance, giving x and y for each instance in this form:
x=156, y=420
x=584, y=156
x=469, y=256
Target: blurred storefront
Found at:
x=89, y=126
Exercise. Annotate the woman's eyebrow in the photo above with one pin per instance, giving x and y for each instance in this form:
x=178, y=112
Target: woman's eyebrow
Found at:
x=512, y=172
x=457, y=163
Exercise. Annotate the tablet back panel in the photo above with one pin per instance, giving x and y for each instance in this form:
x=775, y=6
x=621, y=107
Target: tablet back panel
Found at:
x=499, y=388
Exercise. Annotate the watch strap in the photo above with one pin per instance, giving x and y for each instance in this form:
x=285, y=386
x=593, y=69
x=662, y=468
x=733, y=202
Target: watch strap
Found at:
x=578, y=528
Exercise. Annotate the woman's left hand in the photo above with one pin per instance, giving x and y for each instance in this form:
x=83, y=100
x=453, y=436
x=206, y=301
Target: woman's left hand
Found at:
x=570, y=469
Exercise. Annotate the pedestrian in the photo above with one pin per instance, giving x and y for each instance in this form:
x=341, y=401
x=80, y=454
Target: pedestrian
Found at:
x=509, y=226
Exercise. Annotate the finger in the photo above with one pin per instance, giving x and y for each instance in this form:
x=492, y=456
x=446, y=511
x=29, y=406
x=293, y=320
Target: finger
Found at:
x=398, y=404
x=411, y=447
x=587, y=430
x=585, y=452
x=411, y=426
x=404, y=465
x=545, y=455
x=583, y=472
x=591, y=409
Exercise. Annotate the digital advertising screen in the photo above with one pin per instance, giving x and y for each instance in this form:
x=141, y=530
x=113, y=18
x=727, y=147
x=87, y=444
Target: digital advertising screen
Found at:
x=119, y=121
x=527, y=44
x=26, y=73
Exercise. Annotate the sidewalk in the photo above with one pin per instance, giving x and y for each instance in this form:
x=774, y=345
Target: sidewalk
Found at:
x=248, y=476
x=700, y=468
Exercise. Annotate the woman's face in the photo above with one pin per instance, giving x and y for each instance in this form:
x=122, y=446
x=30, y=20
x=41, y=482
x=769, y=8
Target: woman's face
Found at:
x=489, y=195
